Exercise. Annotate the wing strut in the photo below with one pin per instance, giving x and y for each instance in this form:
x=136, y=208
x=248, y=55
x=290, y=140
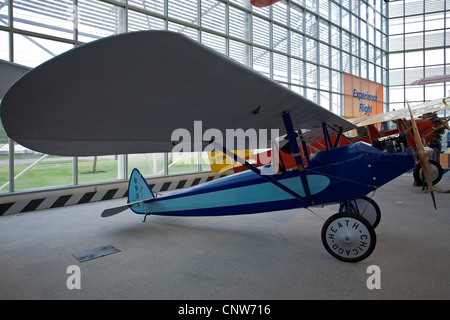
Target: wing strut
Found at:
x=258, y=172
x=297, y=155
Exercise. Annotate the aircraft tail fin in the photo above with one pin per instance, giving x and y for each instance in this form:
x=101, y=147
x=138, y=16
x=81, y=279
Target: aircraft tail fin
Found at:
x=138, y=192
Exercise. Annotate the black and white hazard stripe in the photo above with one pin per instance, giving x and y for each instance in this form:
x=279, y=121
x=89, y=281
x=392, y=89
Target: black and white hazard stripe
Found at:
x=16, y=203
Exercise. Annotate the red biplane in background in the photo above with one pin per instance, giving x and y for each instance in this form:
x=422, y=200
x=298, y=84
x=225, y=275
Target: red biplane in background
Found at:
x=389, y=131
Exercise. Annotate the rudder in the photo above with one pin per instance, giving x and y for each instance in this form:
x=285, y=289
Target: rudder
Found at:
x=139, y=191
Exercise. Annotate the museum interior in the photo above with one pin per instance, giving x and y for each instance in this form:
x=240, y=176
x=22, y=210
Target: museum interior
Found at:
x=349, y=68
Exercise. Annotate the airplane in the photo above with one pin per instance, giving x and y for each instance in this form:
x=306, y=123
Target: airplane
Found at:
x=130, y=93
x=429, y=129
x=263, y=3
x=429, y=126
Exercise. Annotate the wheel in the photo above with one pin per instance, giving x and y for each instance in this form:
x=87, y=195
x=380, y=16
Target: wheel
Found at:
x=436, y=172
x=348, y=237
x=365, y=207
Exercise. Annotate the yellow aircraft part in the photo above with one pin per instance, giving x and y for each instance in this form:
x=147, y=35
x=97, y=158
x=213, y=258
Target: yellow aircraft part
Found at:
x=221, y=162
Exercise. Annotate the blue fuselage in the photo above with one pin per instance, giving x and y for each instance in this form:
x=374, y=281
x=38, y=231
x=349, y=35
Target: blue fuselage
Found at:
x=334, y=175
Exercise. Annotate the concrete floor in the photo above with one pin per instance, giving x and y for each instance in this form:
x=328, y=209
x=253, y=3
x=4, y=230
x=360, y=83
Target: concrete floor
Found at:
x=276, y=255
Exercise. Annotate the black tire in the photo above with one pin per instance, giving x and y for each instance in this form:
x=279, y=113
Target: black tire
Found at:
x=366, y=208
x=348, y=237
x=435, y=169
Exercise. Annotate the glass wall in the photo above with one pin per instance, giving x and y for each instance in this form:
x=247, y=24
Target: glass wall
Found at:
x=419, y=36
x=303, y=44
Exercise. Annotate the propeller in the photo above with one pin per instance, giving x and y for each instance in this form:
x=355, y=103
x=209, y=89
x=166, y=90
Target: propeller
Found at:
x=422, y=157
x=446, y=124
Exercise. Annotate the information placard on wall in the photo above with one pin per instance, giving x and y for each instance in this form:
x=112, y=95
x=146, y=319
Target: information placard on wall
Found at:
x=361, y=97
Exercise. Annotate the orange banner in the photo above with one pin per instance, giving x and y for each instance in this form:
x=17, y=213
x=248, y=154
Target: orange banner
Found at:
x=361, y=97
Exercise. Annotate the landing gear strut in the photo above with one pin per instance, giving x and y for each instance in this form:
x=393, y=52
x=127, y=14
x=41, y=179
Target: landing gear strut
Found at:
x=364, y=207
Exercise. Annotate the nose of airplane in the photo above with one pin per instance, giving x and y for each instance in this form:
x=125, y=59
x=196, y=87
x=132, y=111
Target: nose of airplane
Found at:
x=387, y=166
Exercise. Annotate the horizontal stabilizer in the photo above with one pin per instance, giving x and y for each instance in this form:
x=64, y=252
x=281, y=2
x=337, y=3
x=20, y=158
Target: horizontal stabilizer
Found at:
x=113, y=211
x=116, y=210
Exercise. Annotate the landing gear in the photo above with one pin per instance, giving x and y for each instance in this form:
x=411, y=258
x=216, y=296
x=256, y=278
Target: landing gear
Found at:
x=436, y=172
x=364, y=207
x=348, y=237
x=350, y=234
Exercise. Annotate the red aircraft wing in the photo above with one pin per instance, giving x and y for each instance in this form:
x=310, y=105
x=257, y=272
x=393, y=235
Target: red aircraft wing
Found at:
x=263, y=3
